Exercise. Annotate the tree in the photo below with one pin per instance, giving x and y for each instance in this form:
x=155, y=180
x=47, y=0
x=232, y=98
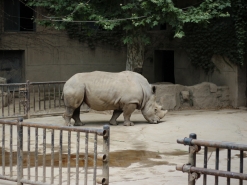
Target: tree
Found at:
x=129, y=19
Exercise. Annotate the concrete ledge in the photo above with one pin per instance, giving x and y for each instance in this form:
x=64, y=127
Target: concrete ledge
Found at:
x=199, y=96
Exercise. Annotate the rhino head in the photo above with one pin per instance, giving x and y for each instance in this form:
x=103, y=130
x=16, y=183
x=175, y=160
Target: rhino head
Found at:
x=153, y=112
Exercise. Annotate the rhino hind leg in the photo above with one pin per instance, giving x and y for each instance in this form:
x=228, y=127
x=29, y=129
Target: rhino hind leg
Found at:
x=127, y=111
x=115, y=115
x=68, y=115
x=76, y=117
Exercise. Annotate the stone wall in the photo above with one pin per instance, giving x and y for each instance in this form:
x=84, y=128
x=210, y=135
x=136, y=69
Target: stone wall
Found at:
x=200, y=96
x=50, y=55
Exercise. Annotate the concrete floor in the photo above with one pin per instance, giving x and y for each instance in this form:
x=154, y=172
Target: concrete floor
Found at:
x=147, y=154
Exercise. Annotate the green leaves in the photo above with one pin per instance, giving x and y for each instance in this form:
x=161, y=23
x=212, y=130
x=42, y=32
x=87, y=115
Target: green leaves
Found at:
x=116, y=21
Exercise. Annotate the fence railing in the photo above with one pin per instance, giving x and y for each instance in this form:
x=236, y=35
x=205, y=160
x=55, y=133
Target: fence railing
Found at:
x=42, y=156
x=31, y=98
x=195, y=172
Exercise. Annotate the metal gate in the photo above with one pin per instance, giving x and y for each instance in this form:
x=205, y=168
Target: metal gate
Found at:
x=42, y=149
x=31, y=98
x=195, y=172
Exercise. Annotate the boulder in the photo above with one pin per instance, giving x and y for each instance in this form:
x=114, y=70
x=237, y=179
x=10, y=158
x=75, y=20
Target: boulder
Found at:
x=199, y=96
x=5, y=98
x=3, y=80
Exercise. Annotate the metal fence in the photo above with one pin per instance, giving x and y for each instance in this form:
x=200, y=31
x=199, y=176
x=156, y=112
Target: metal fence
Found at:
x=195, y=172
x=31, y=98
x=40, y=155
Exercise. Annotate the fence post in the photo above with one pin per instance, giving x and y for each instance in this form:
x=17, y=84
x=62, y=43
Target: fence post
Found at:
x=192, y=160
x=19, y=151
x=27, y=99
x=106, y=149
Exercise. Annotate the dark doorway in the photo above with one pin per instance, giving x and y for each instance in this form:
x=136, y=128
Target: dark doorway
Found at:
x=11, y=66
x=164, y=66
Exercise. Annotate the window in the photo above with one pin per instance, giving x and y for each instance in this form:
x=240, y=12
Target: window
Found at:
x=18, y=16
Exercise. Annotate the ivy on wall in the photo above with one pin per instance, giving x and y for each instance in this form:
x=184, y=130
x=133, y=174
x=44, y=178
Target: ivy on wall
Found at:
x=202, y=42
x=223, y=36
x=226, y=33
x=94, y=35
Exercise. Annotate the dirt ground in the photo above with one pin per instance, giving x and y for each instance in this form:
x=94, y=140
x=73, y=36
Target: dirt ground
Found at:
x=147, y=154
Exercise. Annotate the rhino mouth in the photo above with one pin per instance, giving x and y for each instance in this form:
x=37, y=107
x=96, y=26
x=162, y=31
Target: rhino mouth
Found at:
x=153, y=121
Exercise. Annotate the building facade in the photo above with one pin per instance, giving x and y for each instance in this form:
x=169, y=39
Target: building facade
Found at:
x=32, y=52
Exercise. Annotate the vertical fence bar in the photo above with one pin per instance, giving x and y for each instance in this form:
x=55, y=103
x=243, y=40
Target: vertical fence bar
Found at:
x=60, y=156
x=191, y=160
x=2, y=103
x=11, y=151
x=68, y=164
x=77, y=157
x=3, y=149
x=205, y=164
x=19, y=93
x=44, y=155
x=86, y=159
x=228, y=164
x=39, y=97
x=27, y=99
x=95, y=159
x=241, y=166
x=8, y=93
x=19, y=151
x=28, y=152
x=106, y=150
x=44, y=96
x=59, y=95
x=34, y=99
x=36, y=154
x=217, y=165
x=52, y=156
x=13, y=95
x=49, y=94
x=54, y=96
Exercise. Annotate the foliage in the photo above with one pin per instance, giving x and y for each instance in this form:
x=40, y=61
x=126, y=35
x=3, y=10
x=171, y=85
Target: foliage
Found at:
x=131, y=18
x=239, y=15
x=223, y=36
x=202, y=42
x=206, y=24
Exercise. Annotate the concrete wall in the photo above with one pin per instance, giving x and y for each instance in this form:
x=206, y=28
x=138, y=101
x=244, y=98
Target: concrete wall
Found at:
x=228, y=75
x=53, y=56
x=185, y=74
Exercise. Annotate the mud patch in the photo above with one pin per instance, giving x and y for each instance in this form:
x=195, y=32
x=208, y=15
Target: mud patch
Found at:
x=176, y=153
x=122, y=158
x=238, y=155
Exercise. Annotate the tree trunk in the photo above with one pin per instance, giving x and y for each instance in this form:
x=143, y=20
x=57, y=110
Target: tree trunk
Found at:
x=135, y=56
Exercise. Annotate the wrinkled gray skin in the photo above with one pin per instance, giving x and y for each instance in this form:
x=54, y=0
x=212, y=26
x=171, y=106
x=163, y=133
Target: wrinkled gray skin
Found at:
x=122, y=92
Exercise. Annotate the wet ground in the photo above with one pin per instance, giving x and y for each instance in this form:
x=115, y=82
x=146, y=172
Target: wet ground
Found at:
x=147, y=154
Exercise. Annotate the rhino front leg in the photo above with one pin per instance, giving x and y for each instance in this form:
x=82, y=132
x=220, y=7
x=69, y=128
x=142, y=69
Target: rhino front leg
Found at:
x=127, y=111
x=115, y=115
x=76, y=117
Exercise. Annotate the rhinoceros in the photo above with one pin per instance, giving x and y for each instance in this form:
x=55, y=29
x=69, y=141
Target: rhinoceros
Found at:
x=122, y=92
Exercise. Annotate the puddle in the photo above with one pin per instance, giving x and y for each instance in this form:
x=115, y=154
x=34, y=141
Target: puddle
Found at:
x=123, y=158
x=238, y=155
x=176, y=153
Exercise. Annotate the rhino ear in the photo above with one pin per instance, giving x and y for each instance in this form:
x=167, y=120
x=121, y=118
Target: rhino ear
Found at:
x=153, y=89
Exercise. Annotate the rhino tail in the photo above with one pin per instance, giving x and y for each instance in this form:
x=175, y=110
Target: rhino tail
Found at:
x=61, y=96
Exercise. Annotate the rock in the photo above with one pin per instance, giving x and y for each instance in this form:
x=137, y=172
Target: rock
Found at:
x=3, y=80
x=5, y=99
x=203, y=95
